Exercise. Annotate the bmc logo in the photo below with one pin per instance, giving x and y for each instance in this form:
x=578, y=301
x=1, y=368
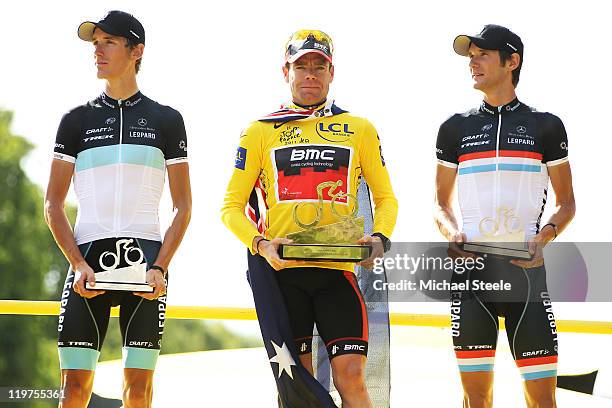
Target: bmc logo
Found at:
x=312, y=154
x=354, y=347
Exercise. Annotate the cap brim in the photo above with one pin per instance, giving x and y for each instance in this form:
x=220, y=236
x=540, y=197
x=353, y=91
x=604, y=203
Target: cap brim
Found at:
x=87, y=28
x=462, y=43
x=301, y=53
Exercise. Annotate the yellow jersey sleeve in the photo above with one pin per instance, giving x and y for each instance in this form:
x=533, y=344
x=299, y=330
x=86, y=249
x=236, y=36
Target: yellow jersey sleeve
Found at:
x=247, y=168
x=375, y=172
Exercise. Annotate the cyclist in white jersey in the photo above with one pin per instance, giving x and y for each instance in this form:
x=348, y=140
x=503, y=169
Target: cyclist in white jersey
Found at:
x=502, y=156
x=117, y=148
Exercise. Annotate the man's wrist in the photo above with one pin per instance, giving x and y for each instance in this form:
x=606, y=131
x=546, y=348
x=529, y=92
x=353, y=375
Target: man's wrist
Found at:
x=159, y=268
x=552, y=230
x=385, y=241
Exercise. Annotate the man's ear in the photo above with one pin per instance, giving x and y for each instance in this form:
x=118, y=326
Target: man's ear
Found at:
x=286, y=72
x=514, y=61
x=138, y=51
x=331, y=71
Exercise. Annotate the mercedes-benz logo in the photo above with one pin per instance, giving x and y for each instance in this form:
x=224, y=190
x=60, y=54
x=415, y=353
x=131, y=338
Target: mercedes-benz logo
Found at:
x=521, y=129
x=142, y=122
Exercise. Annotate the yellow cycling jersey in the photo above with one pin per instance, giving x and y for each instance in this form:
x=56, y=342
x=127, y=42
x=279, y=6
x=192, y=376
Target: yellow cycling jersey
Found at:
x=281, y=164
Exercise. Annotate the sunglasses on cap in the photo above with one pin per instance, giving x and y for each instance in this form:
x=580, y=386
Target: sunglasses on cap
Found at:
x=308, y=41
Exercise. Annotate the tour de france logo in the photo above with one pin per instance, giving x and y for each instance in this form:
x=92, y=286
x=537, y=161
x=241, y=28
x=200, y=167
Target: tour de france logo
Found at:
x=504, y=223
x=129, y=252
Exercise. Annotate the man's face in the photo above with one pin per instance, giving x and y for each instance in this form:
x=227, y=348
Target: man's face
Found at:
x=113, y=58
x=309, y=78
x=487, y=71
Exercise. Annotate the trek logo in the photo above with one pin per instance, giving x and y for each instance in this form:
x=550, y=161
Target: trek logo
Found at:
x=241, y=156
x=312, y=154
x=475, y=140
x=334, y=132
x=98, y=130
x=99, y=137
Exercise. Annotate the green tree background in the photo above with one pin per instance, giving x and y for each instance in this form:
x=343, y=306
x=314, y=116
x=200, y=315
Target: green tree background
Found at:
x=33, y=268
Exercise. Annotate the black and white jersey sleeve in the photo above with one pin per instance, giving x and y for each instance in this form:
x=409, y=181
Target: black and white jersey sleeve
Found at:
x=446, y=144
x=175, y=150
x=68, y=136
x=554, y=140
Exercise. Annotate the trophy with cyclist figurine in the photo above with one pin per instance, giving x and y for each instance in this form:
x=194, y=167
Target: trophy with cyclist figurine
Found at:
x=127, y=272
x=502, y=235
x=336, y=242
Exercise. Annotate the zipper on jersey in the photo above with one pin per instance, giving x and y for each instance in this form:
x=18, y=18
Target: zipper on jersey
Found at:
x=497, y=172
x=118, y=192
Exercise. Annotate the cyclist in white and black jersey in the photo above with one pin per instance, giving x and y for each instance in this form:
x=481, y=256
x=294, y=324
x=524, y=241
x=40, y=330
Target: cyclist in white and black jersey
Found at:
x=117, y=149
x=501, y=157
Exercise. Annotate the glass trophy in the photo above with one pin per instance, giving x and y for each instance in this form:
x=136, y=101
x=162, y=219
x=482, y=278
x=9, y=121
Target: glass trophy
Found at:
x=502, y=235
x=336, y=242
x=129, y=275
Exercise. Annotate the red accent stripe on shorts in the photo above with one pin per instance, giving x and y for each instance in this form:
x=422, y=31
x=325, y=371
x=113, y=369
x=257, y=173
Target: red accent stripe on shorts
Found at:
x=475, y=353
x=536, y=361
x=350, y=276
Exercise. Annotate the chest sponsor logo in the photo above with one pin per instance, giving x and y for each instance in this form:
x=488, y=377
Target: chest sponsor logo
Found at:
x=142, y=122
x=100, y=133
x=475, y=140
x=486, y=127
x=334, y=132
x=143, y=135
x=110, y=121
x=300, y=169
x=292, y=135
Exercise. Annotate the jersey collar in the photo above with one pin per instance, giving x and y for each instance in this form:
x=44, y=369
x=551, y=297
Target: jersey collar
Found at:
x=492, y=110
x=133, y=100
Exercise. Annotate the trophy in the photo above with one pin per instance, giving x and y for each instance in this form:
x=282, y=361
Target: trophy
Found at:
x=503, y=235
x=132, y=277
x=335, y=242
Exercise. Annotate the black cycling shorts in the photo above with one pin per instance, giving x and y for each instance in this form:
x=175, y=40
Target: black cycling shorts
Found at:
x=529, y=319
x=83, y=322
x=330, y=298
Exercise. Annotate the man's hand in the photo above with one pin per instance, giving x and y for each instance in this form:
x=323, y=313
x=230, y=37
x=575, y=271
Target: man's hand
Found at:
x=155, y=279
x=536, y=249
x=269, y=250
x=454, y=246
x=378, y=250
x=83, y=273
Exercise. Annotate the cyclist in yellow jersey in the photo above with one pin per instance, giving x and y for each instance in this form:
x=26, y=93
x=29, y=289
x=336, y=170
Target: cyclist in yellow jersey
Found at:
x=281, y=160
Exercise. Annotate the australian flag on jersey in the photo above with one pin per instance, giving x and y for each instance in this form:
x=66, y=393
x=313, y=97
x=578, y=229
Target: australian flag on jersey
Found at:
x=296, y=387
